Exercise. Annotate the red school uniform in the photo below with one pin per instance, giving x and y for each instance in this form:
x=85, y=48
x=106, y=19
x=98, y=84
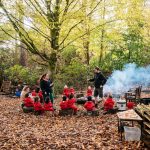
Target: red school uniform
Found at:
x=72, y=91
x=109, y=103
x=70, y=104
x=89, y=92
x=89, y=106
x=28, y=102
x=38, y=106
x=130, y=105
x=66, y=92
x=34, y=93
x=63, y=105
x=48, y=106
x=40, y=94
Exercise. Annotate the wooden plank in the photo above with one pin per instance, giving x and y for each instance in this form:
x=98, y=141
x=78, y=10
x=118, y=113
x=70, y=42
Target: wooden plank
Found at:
x=147, y=124
x=147, y=131
x=6, y=87
x=147, y=143
x=146, y=117
x=129, y=115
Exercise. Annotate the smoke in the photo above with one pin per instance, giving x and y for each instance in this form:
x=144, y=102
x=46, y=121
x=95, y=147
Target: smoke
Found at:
x=130, y=77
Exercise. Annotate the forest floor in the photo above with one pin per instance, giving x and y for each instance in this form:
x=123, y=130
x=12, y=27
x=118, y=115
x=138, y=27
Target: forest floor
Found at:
x=26, y=131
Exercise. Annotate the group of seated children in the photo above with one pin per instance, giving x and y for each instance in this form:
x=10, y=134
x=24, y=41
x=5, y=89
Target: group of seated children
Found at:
x=67, y=91
x=68, y=104
x=35, y=102
x=38, y=92
x=68, y=100
x=109, y=104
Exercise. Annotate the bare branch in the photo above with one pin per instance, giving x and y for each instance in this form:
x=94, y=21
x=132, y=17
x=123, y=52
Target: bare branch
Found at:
x=86, y=33
x=38, y=12
x=79, y=23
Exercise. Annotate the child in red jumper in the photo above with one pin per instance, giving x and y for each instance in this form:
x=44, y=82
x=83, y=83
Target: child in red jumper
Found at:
x=66, y=91
x=72, y=91
x=40, y=94
x=109, y=103
x=28, y=102
x=37, y=92
x=71, y=103
x=48, y=106
x=89, y=105
x=33, y=93
x=38, y=108
x=64, y=104
x=130, y=105
x=89, y=91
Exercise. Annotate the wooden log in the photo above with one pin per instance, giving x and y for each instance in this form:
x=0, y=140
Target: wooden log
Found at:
x=66, y=112
x=28, y=109
x=92, y=113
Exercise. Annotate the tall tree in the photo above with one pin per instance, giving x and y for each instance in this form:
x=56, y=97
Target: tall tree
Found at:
x=48, y=18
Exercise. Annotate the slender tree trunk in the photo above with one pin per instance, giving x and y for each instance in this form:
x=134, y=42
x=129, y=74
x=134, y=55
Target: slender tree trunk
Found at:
x=23, y=53
x=102, y=35
x=86, y=39
x=101, y=46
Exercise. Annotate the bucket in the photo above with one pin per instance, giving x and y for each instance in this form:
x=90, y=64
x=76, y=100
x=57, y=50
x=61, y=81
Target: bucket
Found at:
x=132, y=133
x=121, y=104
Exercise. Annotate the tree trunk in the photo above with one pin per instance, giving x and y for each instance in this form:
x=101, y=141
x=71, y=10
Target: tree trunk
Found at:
x=54, y=24
x=86, y=39
x=102, y=35
x=23, y=55
x=101, y=46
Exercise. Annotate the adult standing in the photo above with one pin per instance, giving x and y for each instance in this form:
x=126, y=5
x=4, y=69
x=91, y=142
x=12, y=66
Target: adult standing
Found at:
x=99, y=80
x=46, y=86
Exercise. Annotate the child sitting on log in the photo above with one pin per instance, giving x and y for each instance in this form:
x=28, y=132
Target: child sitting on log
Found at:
x=27, y=104
x=37, y=92
x=48, y=106
x=38, y=108
x=71, y=103
x=63, y=103
x=130, y=105
x=109, y=104
x=89, y=105
x=66, y=91
x=72, y=91
x=89, y=91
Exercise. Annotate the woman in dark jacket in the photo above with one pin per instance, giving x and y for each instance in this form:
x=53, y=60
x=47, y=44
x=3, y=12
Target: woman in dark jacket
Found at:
x=46, y=86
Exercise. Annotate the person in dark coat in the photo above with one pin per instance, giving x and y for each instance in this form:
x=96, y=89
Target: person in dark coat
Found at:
x=46, y=86
x=99, y=81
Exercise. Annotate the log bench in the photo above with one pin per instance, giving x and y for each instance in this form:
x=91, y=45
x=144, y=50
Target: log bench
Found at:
x=66, y=112
x=92, y=113
x=27, y=109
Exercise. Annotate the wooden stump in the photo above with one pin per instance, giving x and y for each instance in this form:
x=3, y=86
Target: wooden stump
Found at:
x=66, y=112
x=92, y=113
x=81, y=101
x=27, y=109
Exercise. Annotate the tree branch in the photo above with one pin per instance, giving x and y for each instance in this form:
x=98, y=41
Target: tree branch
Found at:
x=79, y=23
x=86, y=33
